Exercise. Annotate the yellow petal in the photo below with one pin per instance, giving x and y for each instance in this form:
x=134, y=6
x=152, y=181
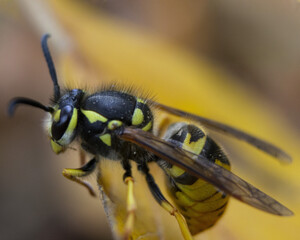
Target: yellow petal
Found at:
x=115, y=50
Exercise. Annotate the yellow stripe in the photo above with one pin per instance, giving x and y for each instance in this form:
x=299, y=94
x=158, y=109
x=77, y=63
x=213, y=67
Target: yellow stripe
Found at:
x=196, y=185
x=175, y=171
x=137, y=117
x=184, y=200
x=106, y=138
x=226, y=166
x=211, y=206
x=199, y=194
x=148, y=126
x=93, y=116
x=194, y=147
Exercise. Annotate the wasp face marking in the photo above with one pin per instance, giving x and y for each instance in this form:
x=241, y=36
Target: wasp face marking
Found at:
x=60, y=126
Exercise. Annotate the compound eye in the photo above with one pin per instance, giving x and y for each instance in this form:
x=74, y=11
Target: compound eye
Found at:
x=61, y=122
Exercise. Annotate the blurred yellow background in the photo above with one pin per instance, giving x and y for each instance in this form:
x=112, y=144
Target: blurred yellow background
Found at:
x=234, y=62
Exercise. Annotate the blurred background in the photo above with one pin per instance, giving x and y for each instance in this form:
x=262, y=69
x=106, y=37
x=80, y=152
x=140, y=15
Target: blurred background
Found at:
x=233, y=61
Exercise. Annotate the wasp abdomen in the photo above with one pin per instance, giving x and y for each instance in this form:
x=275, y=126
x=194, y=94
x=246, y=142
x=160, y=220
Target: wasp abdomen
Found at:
x=201, y=203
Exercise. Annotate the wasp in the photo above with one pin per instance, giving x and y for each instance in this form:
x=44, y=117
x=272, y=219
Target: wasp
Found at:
x=119, y=126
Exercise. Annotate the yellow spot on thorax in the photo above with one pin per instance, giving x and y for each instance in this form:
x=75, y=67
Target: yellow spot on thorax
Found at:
x=137, y=117
x=113, y=124
x=93, y=116
x=106, y=138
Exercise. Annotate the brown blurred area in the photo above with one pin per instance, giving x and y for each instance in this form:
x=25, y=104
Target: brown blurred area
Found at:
x=258, y=42
x=36, y=201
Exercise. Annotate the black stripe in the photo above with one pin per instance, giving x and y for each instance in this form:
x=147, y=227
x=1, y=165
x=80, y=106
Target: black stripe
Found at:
x=210, y=196
x=212, y=152
x=185, y=179
x=196, y=133
x=219, y=208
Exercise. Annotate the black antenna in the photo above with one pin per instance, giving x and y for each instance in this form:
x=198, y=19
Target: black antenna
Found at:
x=26, y=101
x=50, y=66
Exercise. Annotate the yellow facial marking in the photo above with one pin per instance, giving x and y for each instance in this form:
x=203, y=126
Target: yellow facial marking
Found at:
x=93, y=116
x=66, y=138
x=194, y=147
x=56, y=147
x=138, y=117
x=73, y=121
x=106, y=138
x=114, y=124
x=147, y=127
x=57, y=115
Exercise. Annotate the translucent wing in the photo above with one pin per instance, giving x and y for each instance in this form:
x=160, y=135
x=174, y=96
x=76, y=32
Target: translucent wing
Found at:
x=223, y=128
x=201, y=167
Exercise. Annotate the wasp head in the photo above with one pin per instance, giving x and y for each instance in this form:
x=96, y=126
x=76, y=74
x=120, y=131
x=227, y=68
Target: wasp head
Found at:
x=62, y=119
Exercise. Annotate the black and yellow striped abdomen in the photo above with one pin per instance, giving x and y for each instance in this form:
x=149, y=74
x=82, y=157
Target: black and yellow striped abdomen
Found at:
x=201, y=203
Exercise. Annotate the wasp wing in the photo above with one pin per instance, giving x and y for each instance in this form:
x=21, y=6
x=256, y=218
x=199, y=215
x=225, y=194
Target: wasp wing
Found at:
x=202, y=168
x=223, y=128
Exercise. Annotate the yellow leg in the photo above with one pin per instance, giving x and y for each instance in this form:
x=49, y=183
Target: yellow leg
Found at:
x=75, y=174
x=168, y=206
x=131, y=208
x=180, y=219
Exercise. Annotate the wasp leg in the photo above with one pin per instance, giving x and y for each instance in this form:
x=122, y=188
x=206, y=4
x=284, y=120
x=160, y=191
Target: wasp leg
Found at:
x=130, y=207
x=82, y=157
x=75, y=174
x=164, y=203
x=131, y=203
